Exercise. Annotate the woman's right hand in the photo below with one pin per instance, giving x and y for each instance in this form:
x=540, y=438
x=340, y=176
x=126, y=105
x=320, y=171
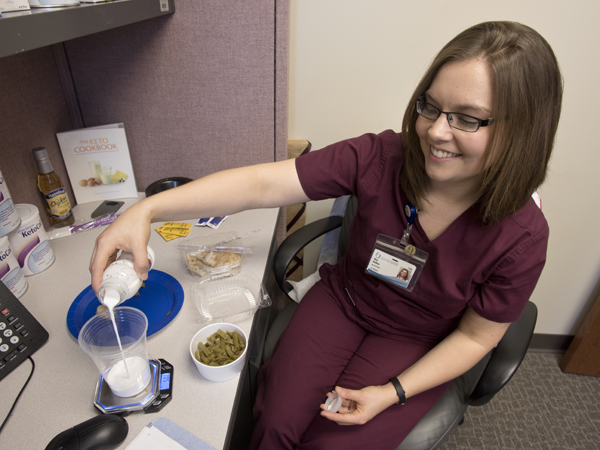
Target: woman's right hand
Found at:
x=129, y=232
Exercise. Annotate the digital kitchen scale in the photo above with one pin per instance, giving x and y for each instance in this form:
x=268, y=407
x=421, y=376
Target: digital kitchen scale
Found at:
x=152, y=399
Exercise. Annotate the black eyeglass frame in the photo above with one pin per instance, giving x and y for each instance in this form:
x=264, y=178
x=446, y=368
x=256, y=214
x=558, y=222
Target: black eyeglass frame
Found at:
x=480, y=122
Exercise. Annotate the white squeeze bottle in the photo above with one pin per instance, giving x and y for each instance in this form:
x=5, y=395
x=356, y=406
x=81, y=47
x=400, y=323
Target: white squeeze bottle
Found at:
x=120, y=280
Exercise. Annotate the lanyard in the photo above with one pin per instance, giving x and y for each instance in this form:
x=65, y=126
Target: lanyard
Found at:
x=411, y=214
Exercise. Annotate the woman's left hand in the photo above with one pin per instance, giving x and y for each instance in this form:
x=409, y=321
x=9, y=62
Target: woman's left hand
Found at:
x=360, y=406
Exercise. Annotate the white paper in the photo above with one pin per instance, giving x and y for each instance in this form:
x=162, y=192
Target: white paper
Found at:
x=151, y=438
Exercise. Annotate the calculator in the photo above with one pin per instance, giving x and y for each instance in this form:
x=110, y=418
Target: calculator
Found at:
x=20, y=333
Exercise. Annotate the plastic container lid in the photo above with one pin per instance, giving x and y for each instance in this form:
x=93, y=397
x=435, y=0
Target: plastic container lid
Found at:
x=333, y=403
x=28, y=213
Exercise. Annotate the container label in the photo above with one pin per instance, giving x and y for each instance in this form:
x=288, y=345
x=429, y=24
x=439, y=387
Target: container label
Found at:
x=31, y=248
x=10, y=273
x=9, y=217
x=58, y=204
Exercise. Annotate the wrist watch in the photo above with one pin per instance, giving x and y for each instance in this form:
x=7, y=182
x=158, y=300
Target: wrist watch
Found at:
x=399, y=391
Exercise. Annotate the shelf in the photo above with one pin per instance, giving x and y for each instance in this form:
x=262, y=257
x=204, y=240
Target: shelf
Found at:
x=27, y=30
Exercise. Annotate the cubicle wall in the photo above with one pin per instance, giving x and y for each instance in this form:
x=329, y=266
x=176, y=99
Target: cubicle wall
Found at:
x=201, y=90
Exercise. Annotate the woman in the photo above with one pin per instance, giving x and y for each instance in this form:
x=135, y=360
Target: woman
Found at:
x=476, y=140
x=403, y=274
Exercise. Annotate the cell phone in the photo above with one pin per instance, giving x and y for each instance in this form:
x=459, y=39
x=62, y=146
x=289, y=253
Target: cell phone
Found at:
x=107, y=207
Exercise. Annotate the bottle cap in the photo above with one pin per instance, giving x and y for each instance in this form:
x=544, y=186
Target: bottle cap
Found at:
x=333, y=403
x=42, y=160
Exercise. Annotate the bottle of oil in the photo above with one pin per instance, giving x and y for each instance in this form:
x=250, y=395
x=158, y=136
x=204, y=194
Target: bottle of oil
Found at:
x=51, y=186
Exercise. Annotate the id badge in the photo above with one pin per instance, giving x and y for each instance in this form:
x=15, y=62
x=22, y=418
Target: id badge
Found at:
x=396, y=262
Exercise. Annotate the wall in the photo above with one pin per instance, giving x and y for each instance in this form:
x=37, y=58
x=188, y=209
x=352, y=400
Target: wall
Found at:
x=199, y=91
x=354, y=64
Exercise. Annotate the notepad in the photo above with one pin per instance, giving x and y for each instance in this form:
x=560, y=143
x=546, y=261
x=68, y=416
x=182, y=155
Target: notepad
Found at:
x=162, y=434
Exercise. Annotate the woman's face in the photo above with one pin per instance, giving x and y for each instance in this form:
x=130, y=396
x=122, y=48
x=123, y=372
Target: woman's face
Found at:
x=454, y=157
x=404, y=274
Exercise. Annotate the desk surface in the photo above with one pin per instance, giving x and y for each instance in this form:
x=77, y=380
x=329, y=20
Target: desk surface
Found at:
x=60, y=393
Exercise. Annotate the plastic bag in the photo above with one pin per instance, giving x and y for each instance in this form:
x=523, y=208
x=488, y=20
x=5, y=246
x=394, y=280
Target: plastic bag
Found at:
x=215, y=256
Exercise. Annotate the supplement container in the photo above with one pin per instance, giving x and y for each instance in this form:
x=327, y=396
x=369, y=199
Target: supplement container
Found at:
x=10, y=271
x=30, y=243
x=9, y=218
x=127, y=373
x=120, y=281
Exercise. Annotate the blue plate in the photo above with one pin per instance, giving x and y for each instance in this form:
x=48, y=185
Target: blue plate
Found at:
x=160, y=299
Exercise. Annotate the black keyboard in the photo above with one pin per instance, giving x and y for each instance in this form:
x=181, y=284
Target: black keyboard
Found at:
x=20, y=333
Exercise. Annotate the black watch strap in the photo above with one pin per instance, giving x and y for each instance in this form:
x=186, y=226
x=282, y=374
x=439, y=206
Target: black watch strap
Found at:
x=399, y=390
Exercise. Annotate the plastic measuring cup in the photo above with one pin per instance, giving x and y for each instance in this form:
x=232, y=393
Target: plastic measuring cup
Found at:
x=127, y=373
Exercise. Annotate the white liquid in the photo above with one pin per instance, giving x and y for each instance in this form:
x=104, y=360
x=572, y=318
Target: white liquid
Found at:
x=129, y=383
x=106, y=177
x=111, y=299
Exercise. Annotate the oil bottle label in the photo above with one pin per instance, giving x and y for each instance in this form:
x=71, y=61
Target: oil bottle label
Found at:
x=58, y=204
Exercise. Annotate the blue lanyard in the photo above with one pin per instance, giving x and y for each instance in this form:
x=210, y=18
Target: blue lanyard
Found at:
x=411, y=214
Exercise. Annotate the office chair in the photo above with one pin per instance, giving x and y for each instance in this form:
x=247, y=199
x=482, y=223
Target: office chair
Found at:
x=474, y=388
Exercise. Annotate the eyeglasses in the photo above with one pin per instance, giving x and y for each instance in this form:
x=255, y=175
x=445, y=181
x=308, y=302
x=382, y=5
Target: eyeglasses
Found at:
x=459, y=121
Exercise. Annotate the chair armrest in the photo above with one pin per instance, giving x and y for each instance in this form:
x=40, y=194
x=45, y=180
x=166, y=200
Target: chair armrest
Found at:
x=506, y=358
x=297, y=241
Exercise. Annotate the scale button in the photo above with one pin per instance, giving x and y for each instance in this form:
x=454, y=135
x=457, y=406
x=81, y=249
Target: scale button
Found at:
x=164, y=396
x=11, y=318
x=24, y=333
x=21, y=347
x=166, y=367
x=4, y=348
x=14, y=339
x=157, y=403
x=8, y=332
x=12, y=355
x=17, y=326
x=4, y=312
x=2, y=326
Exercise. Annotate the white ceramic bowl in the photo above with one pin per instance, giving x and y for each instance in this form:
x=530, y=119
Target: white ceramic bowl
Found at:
x=218, y=373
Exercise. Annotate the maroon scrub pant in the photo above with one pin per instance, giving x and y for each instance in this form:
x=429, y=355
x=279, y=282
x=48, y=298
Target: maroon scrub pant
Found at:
x=320, y=349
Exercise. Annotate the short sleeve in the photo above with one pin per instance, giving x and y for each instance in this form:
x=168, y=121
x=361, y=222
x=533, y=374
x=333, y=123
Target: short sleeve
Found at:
x=504, y=294
x=341, y=168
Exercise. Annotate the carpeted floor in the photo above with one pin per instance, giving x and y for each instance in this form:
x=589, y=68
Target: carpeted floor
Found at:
x=541, y=408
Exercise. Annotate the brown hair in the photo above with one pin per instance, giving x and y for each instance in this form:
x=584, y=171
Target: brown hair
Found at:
x=528, y=95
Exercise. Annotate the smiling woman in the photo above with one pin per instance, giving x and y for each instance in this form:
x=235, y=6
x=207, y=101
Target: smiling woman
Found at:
x=477, y=246
x=522, y=77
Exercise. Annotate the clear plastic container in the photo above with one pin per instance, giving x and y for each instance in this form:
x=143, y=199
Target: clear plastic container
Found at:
x=230, y=299
x=128, y=372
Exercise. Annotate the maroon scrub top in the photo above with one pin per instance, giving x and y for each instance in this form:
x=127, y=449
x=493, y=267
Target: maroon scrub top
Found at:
x=491, y=268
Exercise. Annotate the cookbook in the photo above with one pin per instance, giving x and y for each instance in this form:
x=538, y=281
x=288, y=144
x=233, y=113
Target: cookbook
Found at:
x=98, y=163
